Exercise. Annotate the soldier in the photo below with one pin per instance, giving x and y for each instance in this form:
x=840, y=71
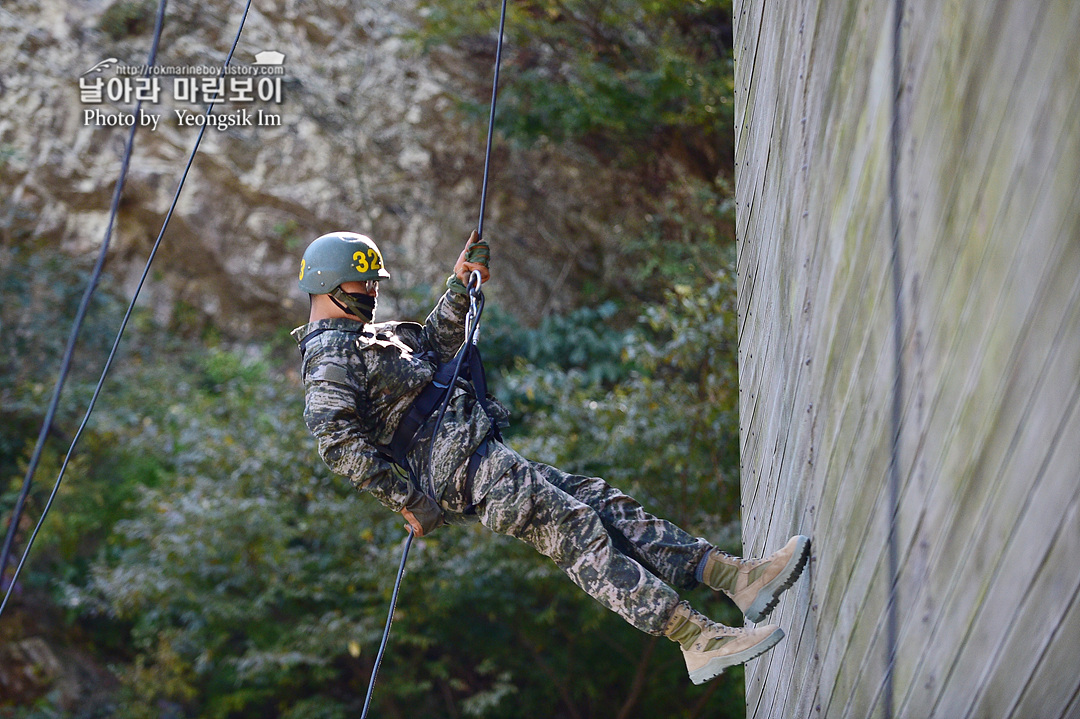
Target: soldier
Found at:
x=372, y=396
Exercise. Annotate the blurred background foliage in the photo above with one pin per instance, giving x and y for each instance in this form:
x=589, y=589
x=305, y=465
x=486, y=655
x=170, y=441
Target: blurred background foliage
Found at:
x=630, y=80
x=201, y=551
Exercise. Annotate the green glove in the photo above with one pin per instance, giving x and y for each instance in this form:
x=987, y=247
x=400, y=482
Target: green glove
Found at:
x=475, y=256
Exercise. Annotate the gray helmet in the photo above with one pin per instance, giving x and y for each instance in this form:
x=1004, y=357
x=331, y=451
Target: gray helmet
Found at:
x=340, y=257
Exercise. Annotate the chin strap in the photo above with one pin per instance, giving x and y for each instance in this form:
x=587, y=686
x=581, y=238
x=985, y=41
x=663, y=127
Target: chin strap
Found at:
x=354, y=303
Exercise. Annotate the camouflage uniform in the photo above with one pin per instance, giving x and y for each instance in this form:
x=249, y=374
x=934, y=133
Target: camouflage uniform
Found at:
x=360, y=381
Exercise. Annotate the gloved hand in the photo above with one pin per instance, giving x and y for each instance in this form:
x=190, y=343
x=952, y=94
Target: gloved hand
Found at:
x=422, y=513
x=475, y=256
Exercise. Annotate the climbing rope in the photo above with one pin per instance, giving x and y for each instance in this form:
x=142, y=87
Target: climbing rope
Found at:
x=476, y=304
x=80, y=314
x=476, y=296
x=491, y=120
x=472, y=322
x=389, y=621
x=123, y=323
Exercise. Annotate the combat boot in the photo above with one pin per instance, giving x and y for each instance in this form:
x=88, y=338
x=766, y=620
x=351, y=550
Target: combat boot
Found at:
x=709, y=647
x=755, y=585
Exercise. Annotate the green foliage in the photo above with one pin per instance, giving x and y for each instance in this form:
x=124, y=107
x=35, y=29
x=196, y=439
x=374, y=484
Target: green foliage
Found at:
x=666, y=428
x=205, y=551
x=39, y=304
x=240, y=579
x=289, y=233
x=587, y=339
x=627, y=79
x=684, y=239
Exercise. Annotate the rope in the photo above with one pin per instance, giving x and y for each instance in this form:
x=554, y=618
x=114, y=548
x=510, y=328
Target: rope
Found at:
x=389, y=621
x=472, y=321
x=123, y=323
x=491, y=120
x=476, y=297
x=80, y=314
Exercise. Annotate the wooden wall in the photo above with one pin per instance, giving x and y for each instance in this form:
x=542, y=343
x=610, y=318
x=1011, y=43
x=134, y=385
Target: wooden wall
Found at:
x=983, y=293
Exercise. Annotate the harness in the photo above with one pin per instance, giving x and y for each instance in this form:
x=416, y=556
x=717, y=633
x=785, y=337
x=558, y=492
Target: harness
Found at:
x=464, y=371
x=467, y=365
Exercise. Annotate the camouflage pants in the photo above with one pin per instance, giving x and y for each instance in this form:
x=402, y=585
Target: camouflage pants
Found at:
x=606, y=542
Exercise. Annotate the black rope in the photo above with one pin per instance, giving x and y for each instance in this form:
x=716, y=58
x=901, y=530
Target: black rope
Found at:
x=476, y=297
x=80, y=314
x=472, y=321
x=491, y=120
x=123, y=324
x=389, y=621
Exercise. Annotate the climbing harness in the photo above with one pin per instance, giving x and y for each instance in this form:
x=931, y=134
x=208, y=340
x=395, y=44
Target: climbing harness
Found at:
x=466, y=365
x=123, y=323
x=469, y=356
x=440, y=390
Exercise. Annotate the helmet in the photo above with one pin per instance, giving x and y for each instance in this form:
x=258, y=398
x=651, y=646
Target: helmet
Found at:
x=340, y=257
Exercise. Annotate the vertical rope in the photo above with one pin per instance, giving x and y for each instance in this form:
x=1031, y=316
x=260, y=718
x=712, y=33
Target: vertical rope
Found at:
x=898, y=358
x=80, y=315
x=471, y=323
x=491, y=120
x=389, y=621
x=123, y=326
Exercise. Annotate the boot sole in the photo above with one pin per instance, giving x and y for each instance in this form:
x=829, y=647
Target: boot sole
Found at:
x=715, y=667
x=769, y=596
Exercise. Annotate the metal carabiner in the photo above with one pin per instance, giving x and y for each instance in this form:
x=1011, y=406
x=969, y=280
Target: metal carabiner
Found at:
x=473, y=287
x=476, y=300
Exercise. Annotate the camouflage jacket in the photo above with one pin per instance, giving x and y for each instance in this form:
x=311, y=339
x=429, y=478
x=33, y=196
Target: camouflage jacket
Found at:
x=361, y=379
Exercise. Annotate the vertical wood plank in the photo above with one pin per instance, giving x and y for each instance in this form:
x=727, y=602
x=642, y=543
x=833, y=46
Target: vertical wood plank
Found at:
x=990, y=271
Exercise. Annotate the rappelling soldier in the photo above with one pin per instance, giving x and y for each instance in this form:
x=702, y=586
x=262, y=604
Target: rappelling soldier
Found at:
x=374, y=393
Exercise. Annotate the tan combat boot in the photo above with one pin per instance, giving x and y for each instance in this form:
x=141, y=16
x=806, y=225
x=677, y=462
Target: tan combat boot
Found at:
x=755, y=585
x=709, y=647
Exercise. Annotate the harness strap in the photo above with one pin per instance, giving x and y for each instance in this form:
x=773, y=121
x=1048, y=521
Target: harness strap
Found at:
x=475, y=370
x=422, y=407
x=433, y=395
x=302, y=344
x=428, y=400
x=470, y=470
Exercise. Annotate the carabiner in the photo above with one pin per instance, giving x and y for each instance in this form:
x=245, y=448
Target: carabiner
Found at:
x=475, y=295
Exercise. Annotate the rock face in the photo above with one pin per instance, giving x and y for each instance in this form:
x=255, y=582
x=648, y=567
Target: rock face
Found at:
x=370, y=139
